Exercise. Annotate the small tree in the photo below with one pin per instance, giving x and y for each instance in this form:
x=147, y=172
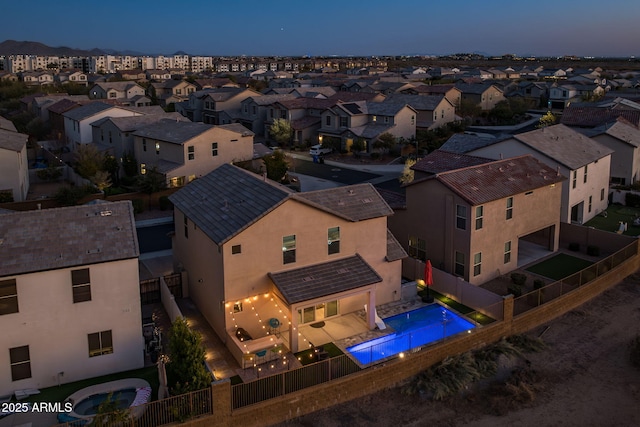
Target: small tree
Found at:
x=548, y=119
x=112, y=166
x=385, y=142
x=88, y=160
x=108, y=413
x=281, y=131
x=186, y=370
x=101, y=180
x=358, y=146
x=469, y=108
x=407, y=172
x=152, y=181
x=129, y=165
x=276, y=165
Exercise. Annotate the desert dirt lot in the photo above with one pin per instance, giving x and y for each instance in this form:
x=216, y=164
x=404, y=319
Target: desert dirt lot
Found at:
x=583, y=378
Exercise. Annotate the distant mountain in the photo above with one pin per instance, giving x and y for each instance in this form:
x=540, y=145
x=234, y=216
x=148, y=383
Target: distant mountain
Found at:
x=13, y=47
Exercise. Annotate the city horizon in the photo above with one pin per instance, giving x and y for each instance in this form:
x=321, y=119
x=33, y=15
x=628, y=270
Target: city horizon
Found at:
x=409, y=28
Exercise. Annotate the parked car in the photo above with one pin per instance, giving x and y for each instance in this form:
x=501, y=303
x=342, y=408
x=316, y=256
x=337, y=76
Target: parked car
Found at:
x=319, y=150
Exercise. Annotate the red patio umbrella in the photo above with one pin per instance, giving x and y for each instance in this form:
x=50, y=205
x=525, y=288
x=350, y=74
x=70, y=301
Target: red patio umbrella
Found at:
x=428, y=279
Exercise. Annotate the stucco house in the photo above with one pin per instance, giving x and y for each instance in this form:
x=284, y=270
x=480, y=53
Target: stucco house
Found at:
x=115, y=90
x=255, y=250
x=171, y=91
x=432, y=111
x=183, y=151
x=69, y=307
x=14, y=179
x=587, y=164
x=470, y=216
x=483, y=94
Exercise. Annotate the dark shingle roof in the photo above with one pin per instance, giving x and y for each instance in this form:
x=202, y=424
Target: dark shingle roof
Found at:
x=227, y=200
x=394, y=248
x=499, y=179
x=13, y=141
x=464, y=142
x=49, y=239
x=173, y=131
x=441, y=161
x=596, y=116
x=87, y=110
x=417, y=102
x=354, y=203
x=324, y=279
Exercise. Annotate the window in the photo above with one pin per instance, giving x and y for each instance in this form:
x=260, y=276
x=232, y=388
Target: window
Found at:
x=246, y=108
x=344, y=122
x=191, y=152
x=443, y=114
x=112, y=94
x=461, y=217
x=81, y=285
x=509, y=207
x=236, y=249
x=479, y=216
x=585, y=173
x=283, y=114
x=214, y=149
x=110, y=139
x=20, y=363
x=417, y=248
x=575, y=178
x=413, y=120
x=602, y=194
x=271, y=112
x=374, y=119
x=507, y=252
x=289, y=249
x=327, y=120
x=590, y=202
x=333, y=237
x=254, y=110
x=100, y=343
x=477, y=263
x=101, y=135
x=8, y=297
x=186, y=227
x=143, y=168
x=459, y=267
x=237, y=307
x=157, y=148
x=144, y=144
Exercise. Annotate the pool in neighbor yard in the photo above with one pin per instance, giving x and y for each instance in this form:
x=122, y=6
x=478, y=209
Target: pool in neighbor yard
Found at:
x=410, y=330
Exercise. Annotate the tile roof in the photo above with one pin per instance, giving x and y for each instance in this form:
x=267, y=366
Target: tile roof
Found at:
x=7, y=124
x=394, y=199
x=130, y=124
x=173, y=131
x=354, y=202
x=12, y=141
x=417, y=102
x=49, y=239
x=87, y=110
x=386, y=108
x=499, y=179
x=395, y=251
x=564, y=145
x=270, y=99
x=228, y=200
x=63, y=106
x=465, y=142
x=370, y=131
x=324, y=279
x=474, y=88
x=621, y=129
x=587, y=116
x=441, y=161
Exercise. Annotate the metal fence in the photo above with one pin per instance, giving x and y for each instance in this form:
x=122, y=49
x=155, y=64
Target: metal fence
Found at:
x=166, y=411
x=561, y=287
x=256, y=391
x=150, y=288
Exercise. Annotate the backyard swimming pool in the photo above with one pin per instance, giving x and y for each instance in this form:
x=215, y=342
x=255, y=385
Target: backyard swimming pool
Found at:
x=412, y=329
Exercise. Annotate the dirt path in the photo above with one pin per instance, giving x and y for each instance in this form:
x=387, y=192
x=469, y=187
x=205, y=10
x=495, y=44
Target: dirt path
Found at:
x=584, y=379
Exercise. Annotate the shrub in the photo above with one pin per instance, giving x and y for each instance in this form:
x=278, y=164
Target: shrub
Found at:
x=138, y=206
x=593, y=250
x=538, y=284
x=575, y=247
x=518, y=279
x=515, y=290
x=632, y=200
x=165, y=203
x=375, y=156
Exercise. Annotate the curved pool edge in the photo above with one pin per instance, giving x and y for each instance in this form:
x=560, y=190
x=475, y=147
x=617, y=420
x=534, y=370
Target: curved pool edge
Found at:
x=108, y=387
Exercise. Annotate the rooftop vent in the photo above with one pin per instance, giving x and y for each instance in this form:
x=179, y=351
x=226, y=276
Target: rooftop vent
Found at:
x=308, y=278
x=105, y=213
x=94, y=251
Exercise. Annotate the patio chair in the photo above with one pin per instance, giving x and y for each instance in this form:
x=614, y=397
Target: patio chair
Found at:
x=247, y=360
x=261, y=356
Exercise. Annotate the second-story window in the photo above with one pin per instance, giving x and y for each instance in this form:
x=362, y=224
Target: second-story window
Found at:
x=157, y=148
x=191, y=152
x=459, y=264
x=214, y=149
x=144, y=144
x=81, y=285
x=575, y=179
x=461, y=217
x=289, y=249
x=509, y=207
x=333, y=238
x=479, y=217
x=477, y=263
x=8, y=297
x=507, y=252
x=327, y=120
x=585, y=173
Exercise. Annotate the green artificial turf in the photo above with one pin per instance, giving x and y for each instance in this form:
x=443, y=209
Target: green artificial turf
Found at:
x=559, y=266
x=615, y=215
x=479, y=318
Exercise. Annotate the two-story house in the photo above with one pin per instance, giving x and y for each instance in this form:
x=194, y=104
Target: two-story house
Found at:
x=470, y=216
x=171, y=91
x=254, y=110
x=69, y=295
x=184, y=151
x=485, y=95
x=14, y=179
x=255, y=250
x=585, y=162
x=432, y=111
x=116, y=90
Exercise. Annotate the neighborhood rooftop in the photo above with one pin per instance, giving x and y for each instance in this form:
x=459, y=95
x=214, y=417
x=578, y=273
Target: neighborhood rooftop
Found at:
x=441, y=161
x=30, y=241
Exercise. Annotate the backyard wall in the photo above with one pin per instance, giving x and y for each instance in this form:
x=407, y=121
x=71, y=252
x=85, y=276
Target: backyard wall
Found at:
x=169, y=301
x=607, y=241
x=394, y=372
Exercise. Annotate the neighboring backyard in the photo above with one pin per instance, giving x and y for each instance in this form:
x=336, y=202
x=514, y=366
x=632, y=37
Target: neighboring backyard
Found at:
x=615, y=214
x=559, y=266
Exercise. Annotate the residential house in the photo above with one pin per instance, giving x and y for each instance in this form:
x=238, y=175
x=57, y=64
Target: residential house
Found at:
x=580, y=116
x=471, y=216
x=75, y=77
x=255, y=250
x=253, y=111
x=157, y=75
x=585, y=162
x=304, y=115
x=70, y=295
x=184, y=151
x=452, y=93
x=432, y=111
x=623, y=138
x=14, y=179
x=132, y=75
x=171, y=91
x=115, y=90
x=220, y=100
x=561, y=96
x=347, y=121
x=115, y=135
x=40, y=78
x=485, y=95
x=77, y=121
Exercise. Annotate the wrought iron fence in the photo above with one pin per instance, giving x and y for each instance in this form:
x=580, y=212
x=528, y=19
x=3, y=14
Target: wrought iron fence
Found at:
x=256, y=391
x=570, y=283
x=160, y=412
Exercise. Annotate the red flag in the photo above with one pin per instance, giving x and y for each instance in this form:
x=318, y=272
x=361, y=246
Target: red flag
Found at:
x=428, y=274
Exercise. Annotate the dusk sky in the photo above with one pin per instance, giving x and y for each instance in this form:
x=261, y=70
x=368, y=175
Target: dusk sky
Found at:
x=330, y=27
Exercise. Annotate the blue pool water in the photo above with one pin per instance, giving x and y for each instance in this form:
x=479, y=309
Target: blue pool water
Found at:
x=412, y=329
x=89, y=406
